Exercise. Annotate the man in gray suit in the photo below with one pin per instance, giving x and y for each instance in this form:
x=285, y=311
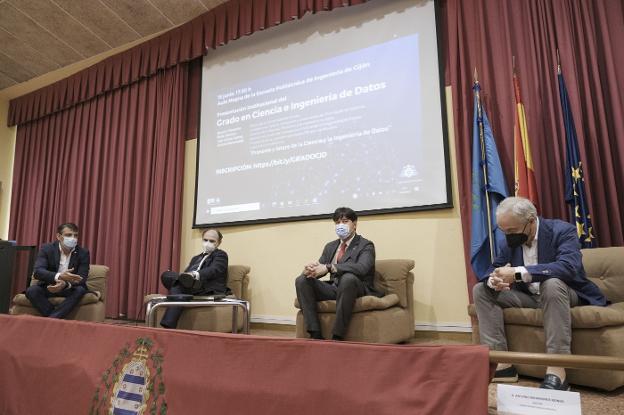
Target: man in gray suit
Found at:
x=350, y=263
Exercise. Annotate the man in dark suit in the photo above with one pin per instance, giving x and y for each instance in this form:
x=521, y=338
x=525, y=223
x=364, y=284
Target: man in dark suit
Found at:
x=539, y=266
x=61, y=268
x=205, y=275
x=350, y=263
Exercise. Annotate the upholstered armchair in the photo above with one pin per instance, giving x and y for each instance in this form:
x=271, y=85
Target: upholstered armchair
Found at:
x=92, y=306
x=597, y=331
x=389, y=319
x=218, y=319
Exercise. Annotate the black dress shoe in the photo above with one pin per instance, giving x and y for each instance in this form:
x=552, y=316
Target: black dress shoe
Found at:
x=508, y=375
x=186, y=280
x=553, y=382
x=316, y=335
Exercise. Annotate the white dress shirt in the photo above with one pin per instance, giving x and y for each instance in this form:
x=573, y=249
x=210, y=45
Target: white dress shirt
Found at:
x=529, y=255
x=196, y=272
x=63, y=264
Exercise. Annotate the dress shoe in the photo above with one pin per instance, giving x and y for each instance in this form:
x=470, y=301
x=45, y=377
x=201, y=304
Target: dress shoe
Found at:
x=508, y=375
x=554, y=382
x=186, y=280
x=316, y=335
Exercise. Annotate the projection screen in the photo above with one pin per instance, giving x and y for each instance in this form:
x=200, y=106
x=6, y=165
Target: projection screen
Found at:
x=343, y=108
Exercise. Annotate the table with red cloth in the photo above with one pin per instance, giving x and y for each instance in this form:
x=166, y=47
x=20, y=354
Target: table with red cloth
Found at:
x=69, y=367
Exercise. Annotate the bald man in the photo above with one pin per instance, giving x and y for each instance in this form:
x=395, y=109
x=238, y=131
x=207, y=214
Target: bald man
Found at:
x=205, y=275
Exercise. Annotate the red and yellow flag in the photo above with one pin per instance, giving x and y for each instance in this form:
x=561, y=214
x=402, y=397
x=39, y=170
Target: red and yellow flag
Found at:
x=524, y=172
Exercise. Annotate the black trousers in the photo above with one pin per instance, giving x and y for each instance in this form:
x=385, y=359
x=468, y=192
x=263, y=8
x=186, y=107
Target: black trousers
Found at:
x=39, y=297
x=172, y=314
x=345, y=291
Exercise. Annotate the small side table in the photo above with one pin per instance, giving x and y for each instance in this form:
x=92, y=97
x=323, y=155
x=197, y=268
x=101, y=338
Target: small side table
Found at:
x=200, y=301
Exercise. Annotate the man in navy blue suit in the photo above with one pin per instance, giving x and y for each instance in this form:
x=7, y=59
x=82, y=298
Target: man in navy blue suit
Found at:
x=539, y=266
x=61, y=268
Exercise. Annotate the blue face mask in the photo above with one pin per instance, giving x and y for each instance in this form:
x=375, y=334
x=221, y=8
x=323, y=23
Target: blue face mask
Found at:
x=70, y=243
x=342, y=230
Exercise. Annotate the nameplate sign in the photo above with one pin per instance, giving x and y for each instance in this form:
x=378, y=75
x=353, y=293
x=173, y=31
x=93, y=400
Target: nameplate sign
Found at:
x=520, y=400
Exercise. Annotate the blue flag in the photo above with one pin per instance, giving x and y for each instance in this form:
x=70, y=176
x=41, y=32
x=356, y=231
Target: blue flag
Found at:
x=486, y=164
x=574, y=182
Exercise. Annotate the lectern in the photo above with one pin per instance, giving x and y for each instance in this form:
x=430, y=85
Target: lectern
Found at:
x=16, y=265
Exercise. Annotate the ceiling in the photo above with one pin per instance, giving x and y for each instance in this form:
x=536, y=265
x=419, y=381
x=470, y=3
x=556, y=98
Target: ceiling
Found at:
x=40, y=36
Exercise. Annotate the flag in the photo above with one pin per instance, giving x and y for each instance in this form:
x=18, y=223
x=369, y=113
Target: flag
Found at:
x=488, y=190
x=574, y=182
x=524, y=174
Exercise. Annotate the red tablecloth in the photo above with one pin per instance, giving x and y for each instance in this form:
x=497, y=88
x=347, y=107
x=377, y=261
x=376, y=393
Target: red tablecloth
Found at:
x=67, y=367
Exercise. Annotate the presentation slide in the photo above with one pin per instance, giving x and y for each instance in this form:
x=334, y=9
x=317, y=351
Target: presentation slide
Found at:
x=341, y=130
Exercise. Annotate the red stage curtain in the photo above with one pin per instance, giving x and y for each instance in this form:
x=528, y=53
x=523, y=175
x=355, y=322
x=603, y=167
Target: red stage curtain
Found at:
x=114, y=166
x=215, y=28
x=486, y=34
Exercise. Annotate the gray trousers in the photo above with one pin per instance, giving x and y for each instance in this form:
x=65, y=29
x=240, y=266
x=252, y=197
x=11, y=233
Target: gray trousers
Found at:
x=555, y=300
x=345, y=292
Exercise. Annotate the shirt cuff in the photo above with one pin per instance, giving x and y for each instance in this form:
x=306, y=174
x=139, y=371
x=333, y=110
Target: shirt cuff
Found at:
x=489, y=283
x=67, y=285
x=526, y=275
x=196, y=275
x=56, y=277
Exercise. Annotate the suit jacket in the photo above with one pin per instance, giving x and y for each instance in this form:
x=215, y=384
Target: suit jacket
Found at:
x=358, y=259
x=213, y=272
x=558, y=256
x=47, y=263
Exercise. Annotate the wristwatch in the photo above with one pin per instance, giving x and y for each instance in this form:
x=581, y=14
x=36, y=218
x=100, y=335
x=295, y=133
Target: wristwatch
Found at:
x=518, y=277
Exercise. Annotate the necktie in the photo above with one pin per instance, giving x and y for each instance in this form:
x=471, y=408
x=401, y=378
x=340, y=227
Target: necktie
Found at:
x=341, y=251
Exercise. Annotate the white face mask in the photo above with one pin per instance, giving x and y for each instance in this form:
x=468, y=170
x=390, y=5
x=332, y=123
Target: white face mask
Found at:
x=208, y=246
x=70, y=243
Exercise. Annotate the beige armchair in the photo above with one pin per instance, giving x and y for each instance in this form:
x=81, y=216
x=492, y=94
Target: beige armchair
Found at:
x=218, y=319
x=389, y=319
x=92, y=306
x=596, y=330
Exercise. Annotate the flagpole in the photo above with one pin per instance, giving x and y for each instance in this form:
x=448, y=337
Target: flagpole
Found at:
x=484, y=164
x=515, y=146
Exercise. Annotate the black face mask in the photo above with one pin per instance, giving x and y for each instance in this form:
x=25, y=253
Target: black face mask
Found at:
x=515, y=240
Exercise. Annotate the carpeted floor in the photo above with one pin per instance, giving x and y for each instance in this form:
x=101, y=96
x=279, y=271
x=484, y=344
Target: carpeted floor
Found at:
x=593, y=402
